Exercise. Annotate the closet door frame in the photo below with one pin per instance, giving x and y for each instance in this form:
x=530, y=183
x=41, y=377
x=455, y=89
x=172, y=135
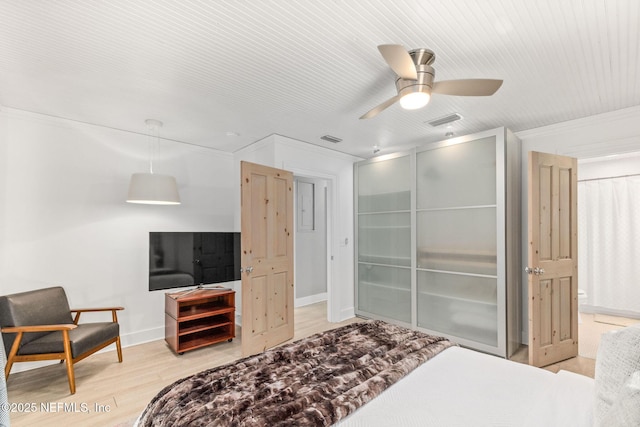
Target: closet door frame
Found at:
x=499, y=136
x=412, y=183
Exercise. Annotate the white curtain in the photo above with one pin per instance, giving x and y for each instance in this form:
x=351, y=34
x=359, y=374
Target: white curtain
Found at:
x=609, y=244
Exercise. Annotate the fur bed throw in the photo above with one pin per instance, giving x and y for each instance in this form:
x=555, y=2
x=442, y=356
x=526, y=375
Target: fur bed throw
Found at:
x=315, y=381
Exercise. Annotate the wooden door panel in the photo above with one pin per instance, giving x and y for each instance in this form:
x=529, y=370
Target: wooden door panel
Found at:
x=553, y=321
x=281, y=218
x=545, y=312
x=259, y=237
x=546, y=214
x=258, y=297
x=565, y=310
x=267, y=257
x=564, y=214
x=279, y=295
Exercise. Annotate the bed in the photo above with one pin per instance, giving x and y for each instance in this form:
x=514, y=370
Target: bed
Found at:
x=399, y=377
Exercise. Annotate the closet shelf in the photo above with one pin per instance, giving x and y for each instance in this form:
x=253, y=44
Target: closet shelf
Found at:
x=492, y=303
x=386, y=261
x=383, y=286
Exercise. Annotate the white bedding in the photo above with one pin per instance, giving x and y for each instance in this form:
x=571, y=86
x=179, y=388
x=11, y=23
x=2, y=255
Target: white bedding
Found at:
x=461, y=387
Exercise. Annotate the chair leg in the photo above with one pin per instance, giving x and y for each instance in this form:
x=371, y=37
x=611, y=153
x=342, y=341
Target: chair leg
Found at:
x=12, y=354
x=119, y=348
x=69, y=359
x=7, y=367
x=71, y=375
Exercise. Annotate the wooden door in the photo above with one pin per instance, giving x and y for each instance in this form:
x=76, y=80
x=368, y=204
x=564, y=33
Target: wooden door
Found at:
x=267, y=257
x=553, y=258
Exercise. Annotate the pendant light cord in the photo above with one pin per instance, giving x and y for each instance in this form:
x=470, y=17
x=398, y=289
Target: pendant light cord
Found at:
x=153, y=140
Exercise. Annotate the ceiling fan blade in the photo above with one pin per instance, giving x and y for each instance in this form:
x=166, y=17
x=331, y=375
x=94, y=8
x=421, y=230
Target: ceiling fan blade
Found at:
x=399, y=60
x=375, y=110
x=467, y=87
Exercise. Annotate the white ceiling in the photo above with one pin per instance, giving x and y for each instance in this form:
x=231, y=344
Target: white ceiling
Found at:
x=308, y=68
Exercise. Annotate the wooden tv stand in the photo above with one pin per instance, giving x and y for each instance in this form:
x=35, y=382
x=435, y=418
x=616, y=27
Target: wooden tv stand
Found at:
x=199, y=317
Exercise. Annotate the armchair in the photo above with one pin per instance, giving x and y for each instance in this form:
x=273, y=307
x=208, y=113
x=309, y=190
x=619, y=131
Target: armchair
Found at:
x=38, y=325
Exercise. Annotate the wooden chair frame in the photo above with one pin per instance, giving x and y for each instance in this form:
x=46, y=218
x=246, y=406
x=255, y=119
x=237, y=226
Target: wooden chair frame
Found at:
x=67, y=356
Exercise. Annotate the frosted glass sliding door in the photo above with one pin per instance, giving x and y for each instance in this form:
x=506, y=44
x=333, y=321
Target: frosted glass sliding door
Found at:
x=384, y=237
x=456, y=249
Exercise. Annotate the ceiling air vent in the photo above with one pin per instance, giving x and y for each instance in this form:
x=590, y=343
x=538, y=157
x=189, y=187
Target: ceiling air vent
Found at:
x=330, y=138
x=446, y=119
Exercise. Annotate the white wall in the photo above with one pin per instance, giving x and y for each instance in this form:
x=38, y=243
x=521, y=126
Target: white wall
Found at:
x=64, y=219
x=601, y=135
x=609, y=166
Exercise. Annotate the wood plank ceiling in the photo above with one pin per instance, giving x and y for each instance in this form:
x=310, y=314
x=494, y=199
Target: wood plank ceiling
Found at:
x=303, y=69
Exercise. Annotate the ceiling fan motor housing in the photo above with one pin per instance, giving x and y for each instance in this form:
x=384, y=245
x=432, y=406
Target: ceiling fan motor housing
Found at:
x=422, y=58
x=424, y=83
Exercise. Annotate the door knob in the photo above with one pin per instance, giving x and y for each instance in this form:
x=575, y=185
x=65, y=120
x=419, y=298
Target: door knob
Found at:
x=249, y=269
x=537, y=270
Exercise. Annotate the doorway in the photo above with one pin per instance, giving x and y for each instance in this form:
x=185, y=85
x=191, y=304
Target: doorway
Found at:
x=328, y=181
x=310, y=240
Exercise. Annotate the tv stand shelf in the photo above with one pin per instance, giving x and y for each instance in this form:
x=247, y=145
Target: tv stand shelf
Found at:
x=199, y=318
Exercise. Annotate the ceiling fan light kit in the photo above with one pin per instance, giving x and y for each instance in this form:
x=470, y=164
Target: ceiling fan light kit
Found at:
x=415, y=82
x=414, y=100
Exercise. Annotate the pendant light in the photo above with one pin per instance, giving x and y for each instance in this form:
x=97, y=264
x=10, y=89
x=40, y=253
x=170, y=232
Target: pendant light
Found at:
x=152, y=188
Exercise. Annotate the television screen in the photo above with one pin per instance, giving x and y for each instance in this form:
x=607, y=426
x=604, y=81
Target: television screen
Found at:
x=180, y=259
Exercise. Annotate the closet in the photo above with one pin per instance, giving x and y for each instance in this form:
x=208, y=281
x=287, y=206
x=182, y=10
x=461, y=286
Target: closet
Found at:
x=438, y=240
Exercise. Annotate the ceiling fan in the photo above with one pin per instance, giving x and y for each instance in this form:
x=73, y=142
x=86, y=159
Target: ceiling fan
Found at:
x=415, y=80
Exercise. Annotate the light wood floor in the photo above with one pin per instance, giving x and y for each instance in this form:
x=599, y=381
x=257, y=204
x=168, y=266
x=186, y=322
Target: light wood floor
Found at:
x=113, y=394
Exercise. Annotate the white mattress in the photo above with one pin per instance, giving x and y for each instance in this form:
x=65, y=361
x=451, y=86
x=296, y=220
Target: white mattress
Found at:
x=461, y=387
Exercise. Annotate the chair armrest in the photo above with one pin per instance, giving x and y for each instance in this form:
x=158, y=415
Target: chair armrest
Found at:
x=79, y=311
x=38, y=328
x=21, y=330
x=84, y=310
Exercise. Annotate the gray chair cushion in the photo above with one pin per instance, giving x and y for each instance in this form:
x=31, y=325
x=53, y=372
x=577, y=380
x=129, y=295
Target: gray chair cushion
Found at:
x=85, y=337
x=47, y=306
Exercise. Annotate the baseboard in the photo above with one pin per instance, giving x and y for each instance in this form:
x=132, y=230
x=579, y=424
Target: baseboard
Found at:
x=141, y=337
x=347, y=313
x=594, y=309
x=311, y=299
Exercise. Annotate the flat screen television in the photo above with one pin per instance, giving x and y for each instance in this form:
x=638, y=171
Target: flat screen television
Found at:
x=180, y=259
